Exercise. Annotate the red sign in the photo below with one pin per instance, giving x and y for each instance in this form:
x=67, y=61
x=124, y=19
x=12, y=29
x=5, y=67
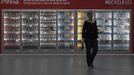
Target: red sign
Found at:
x=67, y=4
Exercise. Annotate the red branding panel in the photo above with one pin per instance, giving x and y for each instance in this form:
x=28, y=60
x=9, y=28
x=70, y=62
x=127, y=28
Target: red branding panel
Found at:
x=67, y=4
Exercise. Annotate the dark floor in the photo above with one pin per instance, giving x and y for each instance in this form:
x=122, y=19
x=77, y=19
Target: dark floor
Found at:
x=65, y=65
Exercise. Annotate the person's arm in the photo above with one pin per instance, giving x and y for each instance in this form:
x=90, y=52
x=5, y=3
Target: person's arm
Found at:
x=83, y=34
x=83, y=30
x=96, y=29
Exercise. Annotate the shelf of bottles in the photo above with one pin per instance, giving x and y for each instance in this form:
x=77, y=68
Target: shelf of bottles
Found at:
x=65, y=29
x=11, y=23
x=48, y=29
x=104, y=23
x=30, y=29
x=121, y=20
x=81, y=15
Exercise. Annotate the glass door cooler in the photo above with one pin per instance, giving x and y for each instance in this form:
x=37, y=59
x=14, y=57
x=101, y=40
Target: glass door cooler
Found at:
x=81, y=17
x=62, y=29
x=104, y=23
x=65, y=29
x=121, y=30
x=48, y=29
x=30, y=33
x=11, y=21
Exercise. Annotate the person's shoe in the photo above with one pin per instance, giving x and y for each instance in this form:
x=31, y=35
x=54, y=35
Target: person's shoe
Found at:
x=91, y=67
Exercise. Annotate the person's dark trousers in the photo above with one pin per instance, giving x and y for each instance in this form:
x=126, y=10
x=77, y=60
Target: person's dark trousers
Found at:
x=91, y=50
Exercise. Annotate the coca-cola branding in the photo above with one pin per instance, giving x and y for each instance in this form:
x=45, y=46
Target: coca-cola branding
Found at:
x=10, y=1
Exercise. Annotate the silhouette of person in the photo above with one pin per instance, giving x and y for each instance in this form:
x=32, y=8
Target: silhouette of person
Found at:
x=89, y=36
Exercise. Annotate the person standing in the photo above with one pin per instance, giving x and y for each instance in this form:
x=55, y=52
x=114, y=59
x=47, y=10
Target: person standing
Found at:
x=89, y=36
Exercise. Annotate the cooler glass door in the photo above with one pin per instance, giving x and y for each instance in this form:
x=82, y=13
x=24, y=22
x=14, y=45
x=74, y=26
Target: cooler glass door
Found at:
x=48, y=29
x=30, y=32
x=104, y=23
x=121, y=33
x=11, y=22
x=81, y=17
x=65, y=29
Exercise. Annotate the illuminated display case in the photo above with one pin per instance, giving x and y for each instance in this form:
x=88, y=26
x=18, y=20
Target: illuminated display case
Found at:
x=11, y=21
x=104, y=23
x=113, y=28
x=81, y=15
x=48, y=29
x=121, y=32
x=62, y=29
x=65, y=29
x=30, y=33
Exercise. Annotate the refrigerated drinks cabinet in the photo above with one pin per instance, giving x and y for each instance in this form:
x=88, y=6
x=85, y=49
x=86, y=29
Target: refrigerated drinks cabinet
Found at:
x=61, y=29
x=30, y=33
x=115, y=25
x=65, y=29
x=48, y=30
x=11, y=29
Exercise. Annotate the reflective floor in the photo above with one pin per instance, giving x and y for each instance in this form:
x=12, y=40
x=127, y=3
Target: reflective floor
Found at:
x=65, y=65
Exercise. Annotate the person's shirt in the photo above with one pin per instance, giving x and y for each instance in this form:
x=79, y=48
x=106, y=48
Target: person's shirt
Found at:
x=90, y=30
